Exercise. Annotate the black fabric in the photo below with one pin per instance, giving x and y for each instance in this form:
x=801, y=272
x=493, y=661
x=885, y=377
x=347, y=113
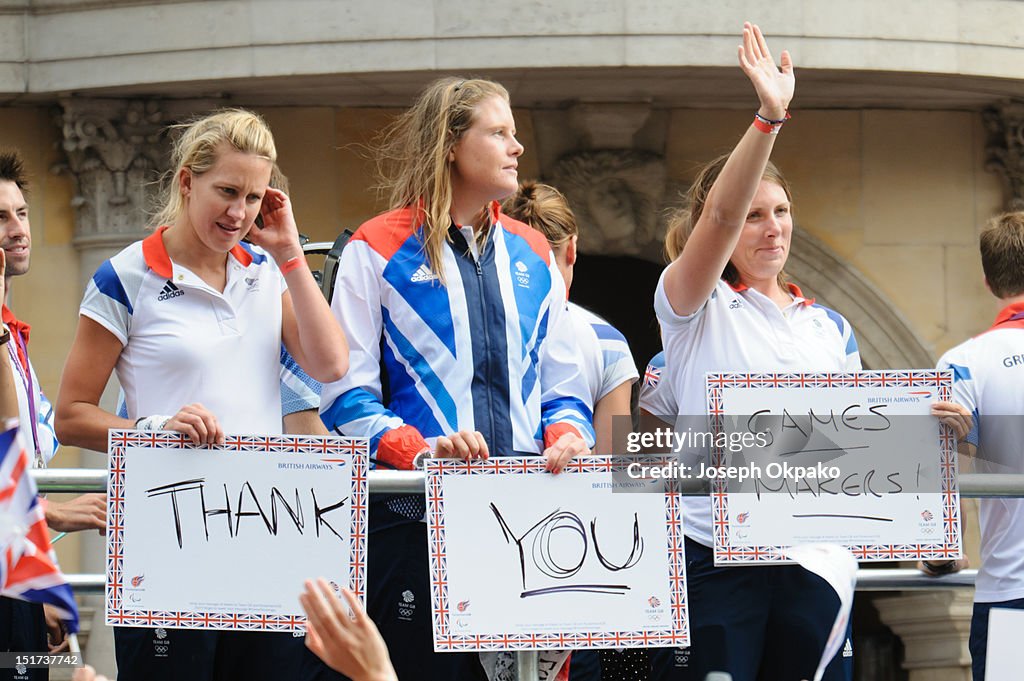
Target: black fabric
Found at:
x=398, y=601
x=201, y=655
x=757, y=623
x=22, y=630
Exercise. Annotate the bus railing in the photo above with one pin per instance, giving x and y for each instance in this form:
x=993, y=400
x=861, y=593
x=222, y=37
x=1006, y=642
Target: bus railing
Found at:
x=972, y=485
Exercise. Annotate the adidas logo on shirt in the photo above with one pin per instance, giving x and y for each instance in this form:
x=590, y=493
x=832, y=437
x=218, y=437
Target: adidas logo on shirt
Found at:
x=170, y=291
x=422, y=274
x=848, y=649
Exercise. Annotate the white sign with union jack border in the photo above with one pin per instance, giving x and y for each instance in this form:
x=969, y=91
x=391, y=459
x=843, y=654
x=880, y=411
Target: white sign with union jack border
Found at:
x=853, y=459
x=223, y=537
x=521, y=559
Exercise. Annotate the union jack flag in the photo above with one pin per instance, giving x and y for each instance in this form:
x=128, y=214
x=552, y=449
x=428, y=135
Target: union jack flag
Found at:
x=652, y=376
x=28, y=568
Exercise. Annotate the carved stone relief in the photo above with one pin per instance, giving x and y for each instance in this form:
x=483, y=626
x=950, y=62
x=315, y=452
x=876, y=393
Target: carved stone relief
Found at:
x=116, y=151
x=615, y=188
x=1005, y=148
x=617, y=197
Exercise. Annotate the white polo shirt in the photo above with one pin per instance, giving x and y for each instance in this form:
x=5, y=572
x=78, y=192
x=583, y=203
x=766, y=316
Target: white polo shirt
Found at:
x=988, y=379
x=743, y=330
x=186, y=342
x=605, y=359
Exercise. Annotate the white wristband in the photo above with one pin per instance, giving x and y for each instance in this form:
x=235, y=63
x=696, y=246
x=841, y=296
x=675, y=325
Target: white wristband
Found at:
x=155, y=422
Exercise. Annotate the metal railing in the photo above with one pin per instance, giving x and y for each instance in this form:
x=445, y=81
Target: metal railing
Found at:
x=63, y=480
x=974, y=485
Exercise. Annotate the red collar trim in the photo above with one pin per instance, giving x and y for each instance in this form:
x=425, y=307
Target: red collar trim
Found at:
x=794, y=290
x=15, y=324
x=1011, y=316
x=155, y=254
x=797, y=293
x=243, y=256
x=495, y=210
x=738, y=287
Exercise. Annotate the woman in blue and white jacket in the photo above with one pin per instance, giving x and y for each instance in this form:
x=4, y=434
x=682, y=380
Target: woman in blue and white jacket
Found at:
x=460, y=341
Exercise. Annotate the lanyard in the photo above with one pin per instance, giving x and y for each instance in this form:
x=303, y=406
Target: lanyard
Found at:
x=30, y=396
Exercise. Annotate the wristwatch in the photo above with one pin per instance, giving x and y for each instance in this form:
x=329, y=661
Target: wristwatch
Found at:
x=5, y=336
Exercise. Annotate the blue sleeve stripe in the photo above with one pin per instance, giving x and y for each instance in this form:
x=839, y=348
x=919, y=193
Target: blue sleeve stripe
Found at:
x=611, y=357
x=571, y=403
x=569, y=408
x=257, y=258
x=835, y=317
x=960, y=373
x=974, y=437
x=293, y=401
x=351, y=405
x=851, y=344
x=290, y=366
x=109, y=284
x=608, y=332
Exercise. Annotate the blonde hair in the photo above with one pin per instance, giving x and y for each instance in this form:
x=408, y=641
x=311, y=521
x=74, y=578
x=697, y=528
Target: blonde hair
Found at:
x=544, y=208
x=1002, y=254
x=198, y=148
x=413, y=156
x=684, y=219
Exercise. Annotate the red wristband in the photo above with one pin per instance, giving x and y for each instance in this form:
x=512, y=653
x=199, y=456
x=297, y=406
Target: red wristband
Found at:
x=399, y=447
x=292, y=264
x=556, y=430
x=768, y=126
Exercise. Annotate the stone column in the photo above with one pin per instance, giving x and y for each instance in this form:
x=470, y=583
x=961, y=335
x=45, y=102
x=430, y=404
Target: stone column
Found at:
x=115, y=151
x=934, y=627
x=1004, y=149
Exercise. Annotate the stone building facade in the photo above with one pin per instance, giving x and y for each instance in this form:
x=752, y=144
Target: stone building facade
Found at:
x=905, y=138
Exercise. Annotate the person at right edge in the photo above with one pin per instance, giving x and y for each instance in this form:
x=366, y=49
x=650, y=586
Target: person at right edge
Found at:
x=987, y=416
x=724, y=305
x=461, y=343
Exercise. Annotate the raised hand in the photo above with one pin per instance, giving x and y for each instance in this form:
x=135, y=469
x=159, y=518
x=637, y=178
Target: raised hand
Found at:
x=347, y=644
x=279, y=235
x=774, y=84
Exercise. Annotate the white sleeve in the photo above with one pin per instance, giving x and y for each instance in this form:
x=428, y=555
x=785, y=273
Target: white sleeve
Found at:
x=564, y=397
x=353, y=404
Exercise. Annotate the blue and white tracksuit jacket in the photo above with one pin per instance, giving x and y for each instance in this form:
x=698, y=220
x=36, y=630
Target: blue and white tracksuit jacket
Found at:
x=491, y=351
